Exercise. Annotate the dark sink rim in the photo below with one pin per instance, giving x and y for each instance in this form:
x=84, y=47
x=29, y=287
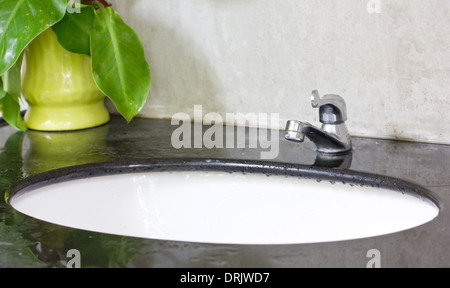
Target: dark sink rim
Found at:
x=346, y=176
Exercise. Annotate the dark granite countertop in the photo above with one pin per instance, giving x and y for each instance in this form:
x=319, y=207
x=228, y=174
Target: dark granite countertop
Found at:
x=27, y=242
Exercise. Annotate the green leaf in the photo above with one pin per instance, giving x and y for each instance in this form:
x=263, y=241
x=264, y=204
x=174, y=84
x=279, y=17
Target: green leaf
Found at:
x=10, y=102
x=21, y=21
x=74, y=31
x=12, y=80
x=11, y=112
x=118, y=61
x=2, y=91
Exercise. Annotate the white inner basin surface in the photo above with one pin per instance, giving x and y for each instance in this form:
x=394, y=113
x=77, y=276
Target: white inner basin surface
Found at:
x=216, y=207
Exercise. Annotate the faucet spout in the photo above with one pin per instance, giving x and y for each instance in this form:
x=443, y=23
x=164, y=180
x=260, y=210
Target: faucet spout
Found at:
x=333, y=137
x=330, y=139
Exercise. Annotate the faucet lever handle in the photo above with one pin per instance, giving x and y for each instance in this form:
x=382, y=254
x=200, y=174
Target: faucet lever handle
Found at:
x=332, y=108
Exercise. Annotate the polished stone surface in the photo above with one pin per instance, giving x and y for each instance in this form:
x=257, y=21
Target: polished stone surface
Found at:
x=26, y=242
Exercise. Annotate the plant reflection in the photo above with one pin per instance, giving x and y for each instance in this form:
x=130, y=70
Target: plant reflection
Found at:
x=30, y=242
x=48, y=151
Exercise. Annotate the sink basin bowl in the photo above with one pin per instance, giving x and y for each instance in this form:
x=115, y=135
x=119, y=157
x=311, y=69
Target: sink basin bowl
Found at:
x=226, y=202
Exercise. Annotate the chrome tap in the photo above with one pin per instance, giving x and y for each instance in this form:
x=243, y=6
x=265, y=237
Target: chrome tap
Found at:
x=333, y=137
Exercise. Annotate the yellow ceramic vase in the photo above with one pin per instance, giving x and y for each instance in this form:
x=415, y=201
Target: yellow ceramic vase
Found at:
x=59, y=88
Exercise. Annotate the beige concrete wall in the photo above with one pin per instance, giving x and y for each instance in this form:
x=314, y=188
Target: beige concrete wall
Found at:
x=392, y=65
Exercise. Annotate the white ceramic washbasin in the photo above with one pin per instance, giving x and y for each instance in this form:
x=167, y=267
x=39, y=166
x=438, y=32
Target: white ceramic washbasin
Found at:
x=226, y=208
